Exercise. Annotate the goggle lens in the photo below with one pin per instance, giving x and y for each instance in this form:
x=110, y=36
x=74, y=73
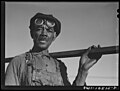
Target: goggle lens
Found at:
x=47, y=22
x=38, y=21
x=50, y=24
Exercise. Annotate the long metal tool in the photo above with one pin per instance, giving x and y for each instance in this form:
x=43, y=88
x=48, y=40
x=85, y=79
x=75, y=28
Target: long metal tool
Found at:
x=78, y=53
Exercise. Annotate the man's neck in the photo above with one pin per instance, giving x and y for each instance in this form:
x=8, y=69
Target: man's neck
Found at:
x=37, y=49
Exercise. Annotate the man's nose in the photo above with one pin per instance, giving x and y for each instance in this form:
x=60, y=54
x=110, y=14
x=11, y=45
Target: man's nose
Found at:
x=44, y=31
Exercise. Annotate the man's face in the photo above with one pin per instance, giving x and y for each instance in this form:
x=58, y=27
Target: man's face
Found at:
x=43, y=33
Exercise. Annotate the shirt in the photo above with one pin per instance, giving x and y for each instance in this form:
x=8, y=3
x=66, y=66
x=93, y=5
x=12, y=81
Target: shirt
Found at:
x=36, y=69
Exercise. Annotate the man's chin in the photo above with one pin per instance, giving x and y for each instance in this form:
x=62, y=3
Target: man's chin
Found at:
x=43, y=46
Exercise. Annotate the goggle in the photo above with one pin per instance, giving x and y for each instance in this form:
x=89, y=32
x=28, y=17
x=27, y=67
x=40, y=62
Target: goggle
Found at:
x=39, y=21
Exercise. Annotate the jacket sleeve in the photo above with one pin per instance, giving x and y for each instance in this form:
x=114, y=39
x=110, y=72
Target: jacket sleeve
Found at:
x=63, y=70
x=11, y=77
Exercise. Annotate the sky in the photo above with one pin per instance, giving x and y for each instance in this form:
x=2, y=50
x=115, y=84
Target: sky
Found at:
x=83, y=24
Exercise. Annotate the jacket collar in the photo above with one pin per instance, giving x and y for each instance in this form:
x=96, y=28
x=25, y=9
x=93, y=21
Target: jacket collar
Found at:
x=42, y=53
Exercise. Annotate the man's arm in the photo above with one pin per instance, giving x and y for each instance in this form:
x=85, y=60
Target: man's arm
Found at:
x=11, y=77
x=63, y=70
x=86, y=62
x=80, y=79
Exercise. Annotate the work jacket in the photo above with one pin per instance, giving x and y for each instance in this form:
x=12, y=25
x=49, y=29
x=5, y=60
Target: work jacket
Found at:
x=36, y=69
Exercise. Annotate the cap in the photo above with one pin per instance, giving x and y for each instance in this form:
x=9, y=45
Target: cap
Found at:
x=57, y=26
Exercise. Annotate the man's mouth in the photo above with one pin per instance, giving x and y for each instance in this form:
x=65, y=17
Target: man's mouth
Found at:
x=42, y=39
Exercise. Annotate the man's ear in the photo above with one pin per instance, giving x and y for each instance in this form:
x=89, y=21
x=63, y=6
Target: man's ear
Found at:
x=54, y=36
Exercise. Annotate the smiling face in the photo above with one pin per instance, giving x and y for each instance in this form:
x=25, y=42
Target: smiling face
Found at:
x=43, y=34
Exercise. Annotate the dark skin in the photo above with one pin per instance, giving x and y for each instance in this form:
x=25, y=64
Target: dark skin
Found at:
x=43, y=36
x=86, y=61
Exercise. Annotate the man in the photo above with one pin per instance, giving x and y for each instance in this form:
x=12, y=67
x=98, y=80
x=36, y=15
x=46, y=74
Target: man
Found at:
x=37, y=67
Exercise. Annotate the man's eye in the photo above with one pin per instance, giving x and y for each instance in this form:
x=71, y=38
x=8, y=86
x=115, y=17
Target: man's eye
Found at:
x=39, y=29
x=50, y=30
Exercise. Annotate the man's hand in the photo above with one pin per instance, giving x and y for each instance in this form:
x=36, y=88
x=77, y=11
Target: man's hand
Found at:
x=87, y=60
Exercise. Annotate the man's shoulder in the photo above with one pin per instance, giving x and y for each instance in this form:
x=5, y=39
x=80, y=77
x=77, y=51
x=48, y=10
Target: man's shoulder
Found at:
x=62, y=64
x=59, y=61
x=18, y=58
x=20, y=55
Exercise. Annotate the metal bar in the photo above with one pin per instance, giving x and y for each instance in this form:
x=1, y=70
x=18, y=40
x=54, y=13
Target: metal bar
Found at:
x=78, y=53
